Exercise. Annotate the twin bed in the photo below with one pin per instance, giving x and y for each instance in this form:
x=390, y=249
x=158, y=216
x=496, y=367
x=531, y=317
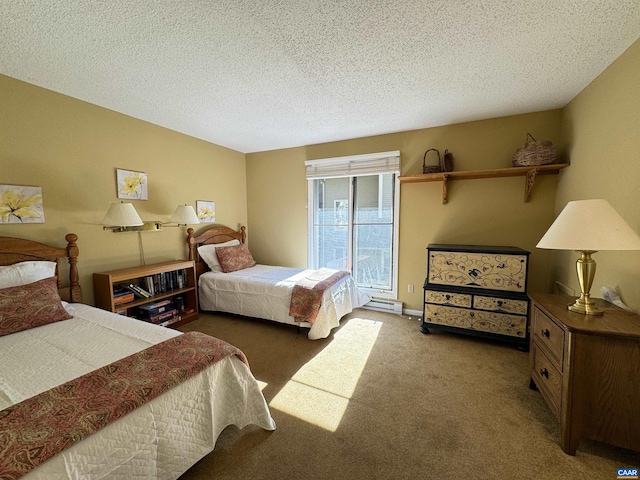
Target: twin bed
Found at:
x=264, y=291
x=51, y=343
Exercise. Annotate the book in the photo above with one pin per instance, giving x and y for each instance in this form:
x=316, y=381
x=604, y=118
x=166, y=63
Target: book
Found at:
x=175, y=319
x=126, y=298
x=147, y=284
x=138, y=291
x=163, y=317
x=154, y=305
x=153, y=309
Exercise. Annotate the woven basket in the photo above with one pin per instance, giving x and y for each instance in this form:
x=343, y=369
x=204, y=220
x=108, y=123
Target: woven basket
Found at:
x=431, y=168
x=534, y=153
x=447, y=161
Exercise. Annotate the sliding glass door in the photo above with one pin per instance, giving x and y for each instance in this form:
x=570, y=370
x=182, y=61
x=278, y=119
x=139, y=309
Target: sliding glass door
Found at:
x=354, y=227
x=331, y=231
x=373, y=197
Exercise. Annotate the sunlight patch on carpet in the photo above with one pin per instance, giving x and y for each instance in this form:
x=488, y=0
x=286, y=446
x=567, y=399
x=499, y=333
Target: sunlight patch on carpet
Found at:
x=319, y=392
x=312, y=405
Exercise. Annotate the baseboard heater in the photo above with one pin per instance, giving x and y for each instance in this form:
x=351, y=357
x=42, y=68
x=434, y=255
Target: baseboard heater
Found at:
x=381, y=305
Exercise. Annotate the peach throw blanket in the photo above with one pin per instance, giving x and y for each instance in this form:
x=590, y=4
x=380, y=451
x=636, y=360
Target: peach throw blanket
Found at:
x=306, y=296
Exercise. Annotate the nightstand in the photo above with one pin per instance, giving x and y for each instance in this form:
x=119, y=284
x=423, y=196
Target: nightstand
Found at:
x=587, y=369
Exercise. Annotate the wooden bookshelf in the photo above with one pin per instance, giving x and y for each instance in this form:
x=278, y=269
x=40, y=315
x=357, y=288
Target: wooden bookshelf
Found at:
x=104, y=284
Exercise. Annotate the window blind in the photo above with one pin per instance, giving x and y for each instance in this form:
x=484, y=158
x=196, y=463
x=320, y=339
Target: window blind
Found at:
x=353, y=166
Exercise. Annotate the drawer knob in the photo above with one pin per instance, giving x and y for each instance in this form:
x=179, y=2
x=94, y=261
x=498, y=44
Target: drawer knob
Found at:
x=545, y=373
x=546, y=333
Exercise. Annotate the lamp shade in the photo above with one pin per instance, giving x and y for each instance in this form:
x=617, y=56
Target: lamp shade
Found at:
x=121, y=215
x=184, y=215
x=590, y=225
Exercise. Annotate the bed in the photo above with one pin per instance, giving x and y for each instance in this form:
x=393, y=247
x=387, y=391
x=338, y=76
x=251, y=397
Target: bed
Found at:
x=159, y=439
x=264, y=291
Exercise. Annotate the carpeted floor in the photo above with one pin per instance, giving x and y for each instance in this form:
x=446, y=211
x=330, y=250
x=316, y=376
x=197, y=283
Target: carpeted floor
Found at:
x=380, y=400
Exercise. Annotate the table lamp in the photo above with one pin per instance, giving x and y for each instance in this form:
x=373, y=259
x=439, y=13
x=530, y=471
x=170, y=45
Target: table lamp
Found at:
x=588, y=226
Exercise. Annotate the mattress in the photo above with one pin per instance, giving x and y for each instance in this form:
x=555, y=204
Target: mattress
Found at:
x=161, y=439
x=264, y=291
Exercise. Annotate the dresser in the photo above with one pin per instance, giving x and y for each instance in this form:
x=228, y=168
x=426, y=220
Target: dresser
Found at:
x=477, y=290
x=587, y=369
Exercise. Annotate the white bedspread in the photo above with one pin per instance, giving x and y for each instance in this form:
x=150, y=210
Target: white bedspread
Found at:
x=264, y=291
x=160, y=440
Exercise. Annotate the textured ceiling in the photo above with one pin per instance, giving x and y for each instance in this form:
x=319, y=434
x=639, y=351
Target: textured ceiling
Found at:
x=254, y=76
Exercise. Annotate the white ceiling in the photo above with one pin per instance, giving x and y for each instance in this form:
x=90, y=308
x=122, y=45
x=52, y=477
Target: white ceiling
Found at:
x=257, y=75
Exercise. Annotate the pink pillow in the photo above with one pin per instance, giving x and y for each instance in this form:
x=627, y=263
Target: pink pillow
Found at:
x=234, y=258
x=30, y=306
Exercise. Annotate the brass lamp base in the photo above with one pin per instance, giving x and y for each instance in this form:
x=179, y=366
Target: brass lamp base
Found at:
x=586, y=306
x=586, y=268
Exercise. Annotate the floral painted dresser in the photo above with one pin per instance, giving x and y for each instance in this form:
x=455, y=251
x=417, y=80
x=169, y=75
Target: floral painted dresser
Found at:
x=477, y=290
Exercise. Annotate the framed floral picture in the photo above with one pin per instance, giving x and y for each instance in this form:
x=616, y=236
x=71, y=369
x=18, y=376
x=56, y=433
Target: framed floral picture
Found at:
x=206, y=211
x=20, y=204
x=132, y=185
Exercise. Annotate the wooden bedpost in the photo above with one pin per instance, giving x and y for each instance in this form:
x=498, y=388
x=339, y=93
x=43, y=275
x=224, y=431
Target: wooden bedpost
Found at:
x=74, y=278
x=191, y=243
x=243, y=233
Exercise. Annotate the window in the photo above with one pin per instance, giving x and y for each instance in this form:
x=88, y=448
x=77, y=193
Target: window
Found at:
x=353, y=218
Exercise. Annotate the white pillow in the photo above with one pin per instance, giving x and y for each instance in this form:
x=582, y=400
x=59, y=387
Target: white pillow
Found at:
x=25, y=272
x=208, y=254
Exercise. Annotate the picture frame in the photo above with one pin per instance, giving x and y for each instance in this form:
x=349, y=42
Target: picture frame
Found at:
x=206, y=211
x=21, y=204
x=132, y=185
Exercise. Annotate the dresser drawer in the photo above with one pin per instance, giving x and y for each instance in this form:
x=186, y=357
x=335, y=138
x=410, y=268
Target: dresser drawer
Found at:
x=501, y=268
x=509, y=305
x=548, y=379
x=447, y=298
x=489, y=322
x=547, y=333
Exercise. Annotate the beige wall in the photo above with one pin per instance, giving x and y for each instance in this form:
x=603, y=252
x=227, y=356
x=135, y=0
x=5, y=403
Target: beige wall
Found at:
x=71, y=149
x=601, y=128
x=486, y=211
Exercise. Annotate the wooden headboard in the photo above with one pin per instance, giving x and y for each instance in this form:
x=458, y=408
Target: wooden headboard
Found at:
x=213, y=235
x=15, y=250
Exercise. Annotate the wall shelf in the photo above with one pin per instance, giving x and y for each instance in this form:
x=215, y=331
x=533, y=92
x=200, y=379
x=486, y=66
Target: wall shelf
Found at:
x=529, y=173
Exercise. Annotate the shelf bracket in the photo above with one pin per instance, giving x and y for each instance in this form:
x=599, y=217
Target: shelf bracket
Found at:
x=529, y=181
x=445, y=177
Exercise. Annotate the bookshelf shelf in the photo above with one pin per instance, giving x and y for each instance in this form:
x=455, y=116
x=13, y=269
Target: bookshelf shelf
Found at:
x=106, y=283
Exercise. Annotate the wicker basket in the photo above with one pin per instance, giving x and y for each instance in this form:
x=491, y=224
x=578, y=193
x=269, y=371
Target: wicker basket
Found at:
x=447, y=161
x=534, y=153
x=431, y=168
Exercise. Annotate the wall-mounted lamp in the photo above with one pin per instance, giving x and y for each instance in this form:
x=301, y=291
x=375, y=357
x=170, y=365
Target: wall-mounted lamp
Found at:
x=184, y=215
x=122, y=217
